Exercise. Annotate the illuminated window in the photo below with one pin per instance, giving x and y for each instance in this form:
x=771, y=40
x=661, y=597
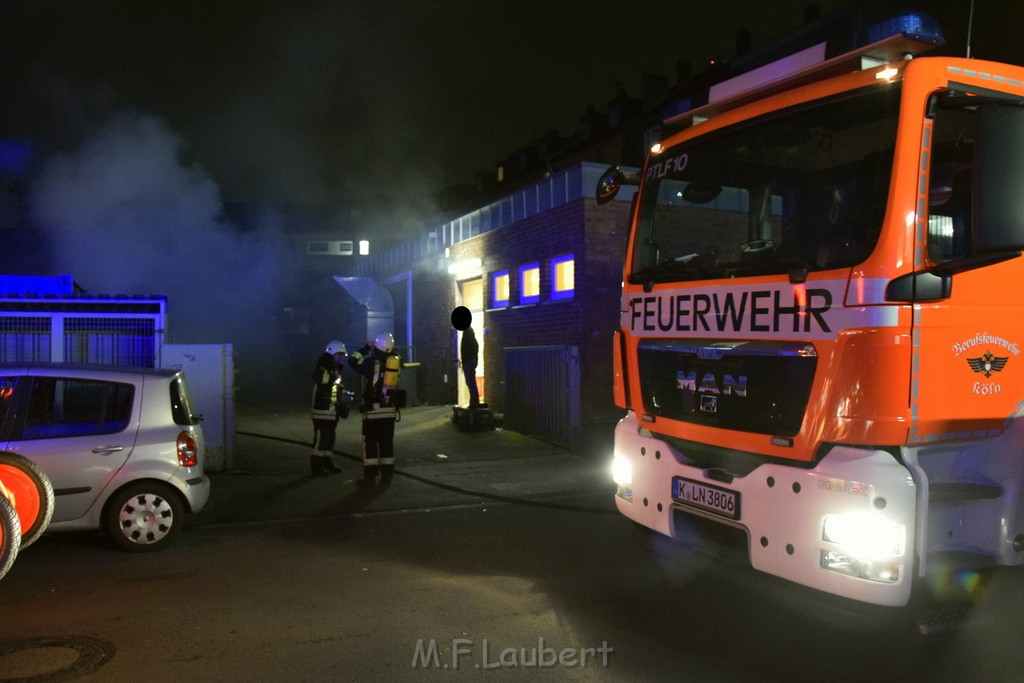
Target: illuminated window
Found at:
x=563, y=277
x=499, y=289
x=529, y=283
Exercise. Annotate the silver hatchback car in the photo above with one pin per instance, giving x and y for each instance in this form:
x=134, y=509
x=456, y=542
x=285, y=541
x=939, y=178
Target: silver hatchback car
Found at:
x=122, y=446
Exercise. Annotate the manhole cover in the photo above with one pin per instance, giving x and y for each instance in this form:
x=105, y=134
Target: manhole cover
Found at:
x=51, y=659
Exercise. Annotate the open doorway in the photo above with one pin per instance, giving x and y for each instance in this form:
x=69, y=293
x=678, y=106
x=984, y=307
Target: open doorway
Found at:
x=472, y=294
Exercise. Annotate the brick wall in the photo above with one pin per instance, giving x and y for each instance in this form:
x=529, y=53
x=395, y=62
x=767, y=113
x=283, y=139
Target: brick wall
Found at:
x=596, y=237
x=607, y=229
x=434, y=298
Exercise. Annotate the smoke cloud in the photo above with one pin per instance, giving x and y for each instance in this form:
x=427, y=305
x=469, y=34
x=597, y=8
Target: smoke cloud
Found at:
x=123, y=214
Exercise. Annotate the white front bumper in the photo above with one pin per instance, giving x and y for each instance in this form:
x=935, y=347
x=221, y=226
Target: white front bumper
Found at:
x=783, y=509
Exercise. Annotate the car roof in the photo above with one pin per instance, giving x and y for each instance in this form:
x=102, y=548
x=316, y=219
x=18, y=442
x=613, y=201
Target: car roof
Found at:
x=86, y=369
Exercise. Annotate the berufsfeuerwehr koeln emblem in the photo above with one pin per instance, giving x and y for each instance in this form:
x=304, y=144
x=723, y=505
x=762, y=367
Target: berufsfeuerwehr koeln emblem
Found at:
x=988, y=364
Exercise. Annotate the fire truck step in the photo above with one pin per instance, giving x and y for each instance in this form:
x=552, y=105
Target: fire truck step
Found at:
x=956, y=492
x=940, y=621
x=960, y=560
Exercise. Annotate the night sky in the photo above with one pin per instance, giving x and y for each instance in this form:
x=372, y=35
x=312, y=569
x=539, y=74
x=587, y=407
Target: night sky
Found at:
x=300, y=100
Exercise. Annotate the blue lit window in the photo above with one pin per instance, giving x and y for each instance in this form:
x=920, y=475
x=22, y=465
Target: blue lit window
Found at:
x=563, y=277
x=499, y=289
x=529, y=283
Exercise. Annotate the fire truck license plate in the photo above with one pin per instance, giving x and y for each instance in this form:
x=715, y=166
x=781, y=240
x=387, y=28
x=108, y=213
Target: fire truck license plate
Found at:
x=696, y=494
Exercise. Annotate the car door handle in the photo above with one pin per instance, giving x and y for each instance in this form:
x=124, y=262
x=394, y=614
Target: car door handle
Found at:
x=107, y=450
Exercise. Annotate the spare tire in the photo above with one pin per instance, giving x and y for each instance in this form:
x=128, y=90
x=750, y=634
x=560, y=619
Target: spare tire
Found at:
x=33, y=494
x=10, y=533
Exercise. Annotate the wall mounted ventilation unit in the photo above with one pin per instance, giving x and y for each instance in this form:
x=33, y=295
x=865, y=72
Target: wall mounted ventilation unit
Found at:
x=329, y=248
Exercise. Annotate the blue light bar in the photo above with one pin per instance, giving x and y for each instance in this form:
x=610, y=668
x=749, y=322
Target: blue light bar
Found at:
x=919, y=27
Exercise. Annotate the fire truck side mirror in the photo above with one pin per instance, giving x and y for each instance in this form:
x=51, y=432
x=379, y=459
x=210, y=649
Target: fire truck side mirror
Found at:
x=610, y=181
x=998, y=193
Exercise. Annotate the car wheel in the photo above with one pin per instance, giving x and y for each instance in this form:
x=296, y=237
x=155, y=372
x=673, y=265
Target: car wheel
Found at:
x=10, y=534
x=143, y=517
x=33, y=495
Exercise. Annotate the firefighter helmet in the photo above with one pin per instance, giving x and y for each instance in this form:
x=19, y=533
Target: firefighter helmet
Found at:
x=335, y=347
x=385, y=342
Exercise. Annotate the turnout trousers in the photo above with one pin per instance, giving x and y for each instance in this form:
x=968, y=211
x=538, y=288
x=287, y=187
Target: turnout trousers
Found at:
x=378, y=448
x=324, y=435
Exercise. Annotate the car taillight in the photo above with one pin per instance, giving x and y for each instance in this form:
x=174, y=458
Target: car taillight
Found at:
x=187, y=455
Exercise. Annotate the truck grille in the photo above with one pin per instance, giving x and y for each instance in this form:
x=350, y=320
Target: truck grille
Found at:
x=751, y=386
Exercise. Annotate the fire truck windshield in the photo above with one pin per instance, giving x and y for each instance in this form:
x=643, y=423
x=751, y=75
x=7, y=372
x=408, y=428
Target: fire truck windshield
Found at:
x=803, y=188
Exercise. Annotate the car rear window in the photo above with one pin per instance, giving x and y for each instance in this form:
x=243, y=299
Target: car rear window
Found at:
x=181, y=405
x=6, y=397
x=61, y=407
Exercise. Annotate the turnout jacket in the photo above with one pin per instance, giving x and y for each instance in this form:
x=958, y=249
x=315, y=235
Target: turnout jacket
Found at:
x=327, y=388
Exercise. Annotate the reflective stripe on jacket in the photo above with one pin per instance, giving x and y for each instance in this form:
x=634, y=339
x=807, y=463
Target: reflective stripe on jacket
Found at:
x=326, y=386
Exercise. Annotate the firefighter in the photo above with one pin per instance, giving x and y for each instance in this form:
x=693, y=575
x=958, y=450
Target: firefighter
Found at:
x=329, y=405
x=380, y=367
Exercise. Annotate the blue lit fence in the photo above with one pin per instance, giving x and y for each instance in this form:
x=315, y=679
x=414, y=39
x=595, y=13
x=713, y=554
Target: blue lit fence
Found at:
x=131, y=337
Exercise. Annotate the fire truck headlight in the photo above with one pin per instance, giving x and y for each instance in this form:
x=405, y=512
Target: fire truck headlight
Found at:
x=865, y=535
x=868, y=546
x=622, y=471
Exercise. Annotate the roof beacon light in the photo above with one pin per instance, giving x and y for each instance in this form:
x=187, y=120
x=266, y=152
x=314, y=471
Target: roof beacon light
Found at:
x=919, y=28
x=893, y=40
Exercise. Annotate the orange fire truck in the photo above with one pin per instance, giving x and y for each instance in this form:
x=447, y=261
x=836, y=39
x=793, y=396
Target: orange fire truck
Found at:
x=822, y=320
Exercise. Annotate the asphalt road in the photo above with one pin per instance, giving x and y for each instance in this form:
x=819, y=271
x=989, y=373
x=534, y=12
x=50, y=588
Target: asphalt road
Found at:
x=481, y=590
x=552, y=588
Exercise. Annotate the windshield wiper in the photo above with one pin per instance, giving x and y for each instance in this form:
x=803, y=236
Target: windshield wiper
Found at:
x=684, y=267
x=798, y=269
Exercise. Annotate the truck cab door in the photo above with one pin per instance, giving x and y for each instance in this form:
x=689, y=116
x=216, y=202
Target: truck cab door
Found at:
x=969, y=371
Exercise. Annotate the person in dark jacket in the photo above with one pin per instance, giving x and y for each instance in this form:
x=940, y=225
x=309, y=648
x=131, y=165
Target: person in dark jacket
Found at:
x=380, y=367
x=470, y=355
x=329, y=404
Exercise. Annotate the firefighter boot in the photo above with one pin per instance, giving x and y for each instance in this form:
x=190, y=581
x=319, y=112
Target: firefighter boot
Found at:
x=369, y=477
x=316, y=466
x=329, y=466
